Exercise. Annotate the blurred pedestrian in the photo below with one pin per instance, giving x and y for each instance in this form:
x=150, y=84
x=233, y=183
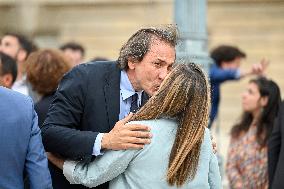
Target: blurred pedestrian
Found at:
x=74, y=52
x=276, y=152
x=19, y=47
x=8, y=70
x=22, y=152
x=45, y=68
x=247, y=154
x=226, y=67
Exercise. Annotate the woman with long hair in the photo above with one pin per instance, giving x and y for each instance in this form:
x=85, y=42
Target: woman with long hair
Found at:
x=180, y=153
x=247, y=155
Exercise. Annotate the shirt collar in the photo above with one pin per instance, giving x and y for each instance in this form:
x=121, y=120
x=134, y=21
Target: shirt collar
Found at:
x=126, y=88
x=21, y=82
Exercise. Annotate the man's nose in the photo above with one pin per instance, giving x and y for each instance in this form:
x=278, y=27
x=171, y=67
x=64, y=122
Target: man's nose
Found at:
x=163, y=73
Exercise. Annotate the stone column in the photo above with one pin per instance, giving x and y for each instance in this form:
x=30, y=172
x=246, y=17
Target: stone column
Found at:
x=190, y=17
x=27, y=16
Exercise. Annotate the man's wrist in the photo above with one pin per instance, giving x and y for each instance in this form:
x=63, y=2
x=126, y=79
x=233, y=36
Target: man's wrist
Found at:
x=97, y=149
x=105, y=141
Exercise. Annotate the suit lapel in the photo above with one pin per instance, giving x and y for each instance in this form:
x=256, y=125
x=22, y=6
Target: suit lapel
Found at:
x=112, y=95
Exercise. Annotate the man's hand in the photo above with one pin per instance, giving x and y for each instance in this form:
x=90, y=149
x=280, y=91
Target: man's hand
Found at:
x=131, y=136
x=260, y=68
x=214, y=144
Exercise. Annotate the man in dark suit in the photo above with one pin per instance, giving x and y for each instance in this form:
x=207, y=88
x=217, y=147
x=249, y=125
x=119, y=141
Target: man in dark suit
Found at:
x=276, y=152
x=22, y=152
x=83, y=119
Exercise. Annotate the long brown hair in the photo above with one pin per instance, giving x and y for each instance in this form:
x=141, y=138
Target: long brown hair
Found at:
x=184, y=95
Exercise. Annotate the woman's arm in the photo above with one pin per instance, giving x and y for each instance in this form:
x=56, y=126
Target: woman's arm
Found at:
x=102, y=169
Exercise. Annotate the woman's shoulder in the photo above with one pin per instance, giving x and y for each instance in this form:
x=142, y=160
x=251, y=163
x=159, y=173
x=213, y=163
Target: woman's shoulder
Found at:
x=207, y=142
x=207, y=135
x=156, y=122
x=162, y=126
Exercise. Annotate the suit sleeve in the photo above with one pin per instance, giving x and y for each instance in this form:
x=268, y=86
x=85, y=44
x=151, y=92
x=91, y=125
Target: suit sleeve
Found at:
x=101, y=170
x=221, y=75
x=61, y=130
x=274, y=146
x=36, y=162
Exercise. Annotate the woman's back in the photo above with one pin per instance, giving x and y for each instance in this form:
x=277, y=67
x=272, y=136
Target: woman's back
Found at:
x=147, y=168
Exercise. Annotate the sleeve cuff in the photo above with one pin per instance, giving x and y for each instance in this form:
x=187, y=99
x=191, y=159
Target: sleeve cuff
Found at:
x=68, y=170
x=238, y=74
x=98, y=145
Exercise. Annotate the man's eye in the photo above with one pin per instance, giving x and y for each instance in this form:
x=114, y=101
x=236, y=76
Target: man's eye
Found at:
x=157, y=64
x=250, y=91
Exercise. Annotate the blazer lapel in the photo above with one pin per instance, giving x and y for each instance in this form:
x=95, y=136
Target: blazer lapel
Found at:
x=112, y=95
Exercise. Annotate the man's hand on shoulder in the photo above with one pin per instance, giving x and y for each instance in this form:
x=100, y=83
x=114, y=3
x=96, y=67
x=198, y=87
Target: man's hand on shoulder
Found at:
x=214, y=144
x=131, y=136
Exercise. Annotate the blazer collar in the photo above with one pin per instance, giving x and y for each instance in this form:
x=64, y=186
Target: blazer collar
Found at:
x=112, y=94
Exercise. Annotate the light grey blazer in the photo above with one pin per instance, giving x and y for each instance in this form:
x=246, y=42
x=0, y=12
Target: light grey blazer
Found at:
x=145, y=168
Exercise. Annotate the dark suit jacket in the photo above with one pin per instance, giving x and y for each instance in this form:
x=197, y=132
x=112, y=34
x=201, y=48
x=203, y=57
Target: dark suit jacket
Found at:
x=85, y=104
x=42, y=106
x=276, y=152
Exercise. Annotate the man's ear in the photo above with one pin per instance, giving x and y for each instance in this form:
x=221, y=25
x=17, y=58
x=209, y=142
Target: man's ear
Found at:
x=264, y=101
x=7, y=80
x=131, y=63
x=22, y=55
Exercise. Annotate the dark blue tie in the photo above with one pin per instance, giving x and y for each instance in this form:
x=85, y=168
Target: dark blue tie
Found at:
x=134, y=104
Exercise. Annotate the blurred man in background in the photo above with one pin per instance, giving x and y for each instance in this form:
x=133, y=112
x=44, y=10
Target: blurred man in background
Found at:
x=19, y=47
x=227, y=61
x=8, y=70
x=74, y=52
